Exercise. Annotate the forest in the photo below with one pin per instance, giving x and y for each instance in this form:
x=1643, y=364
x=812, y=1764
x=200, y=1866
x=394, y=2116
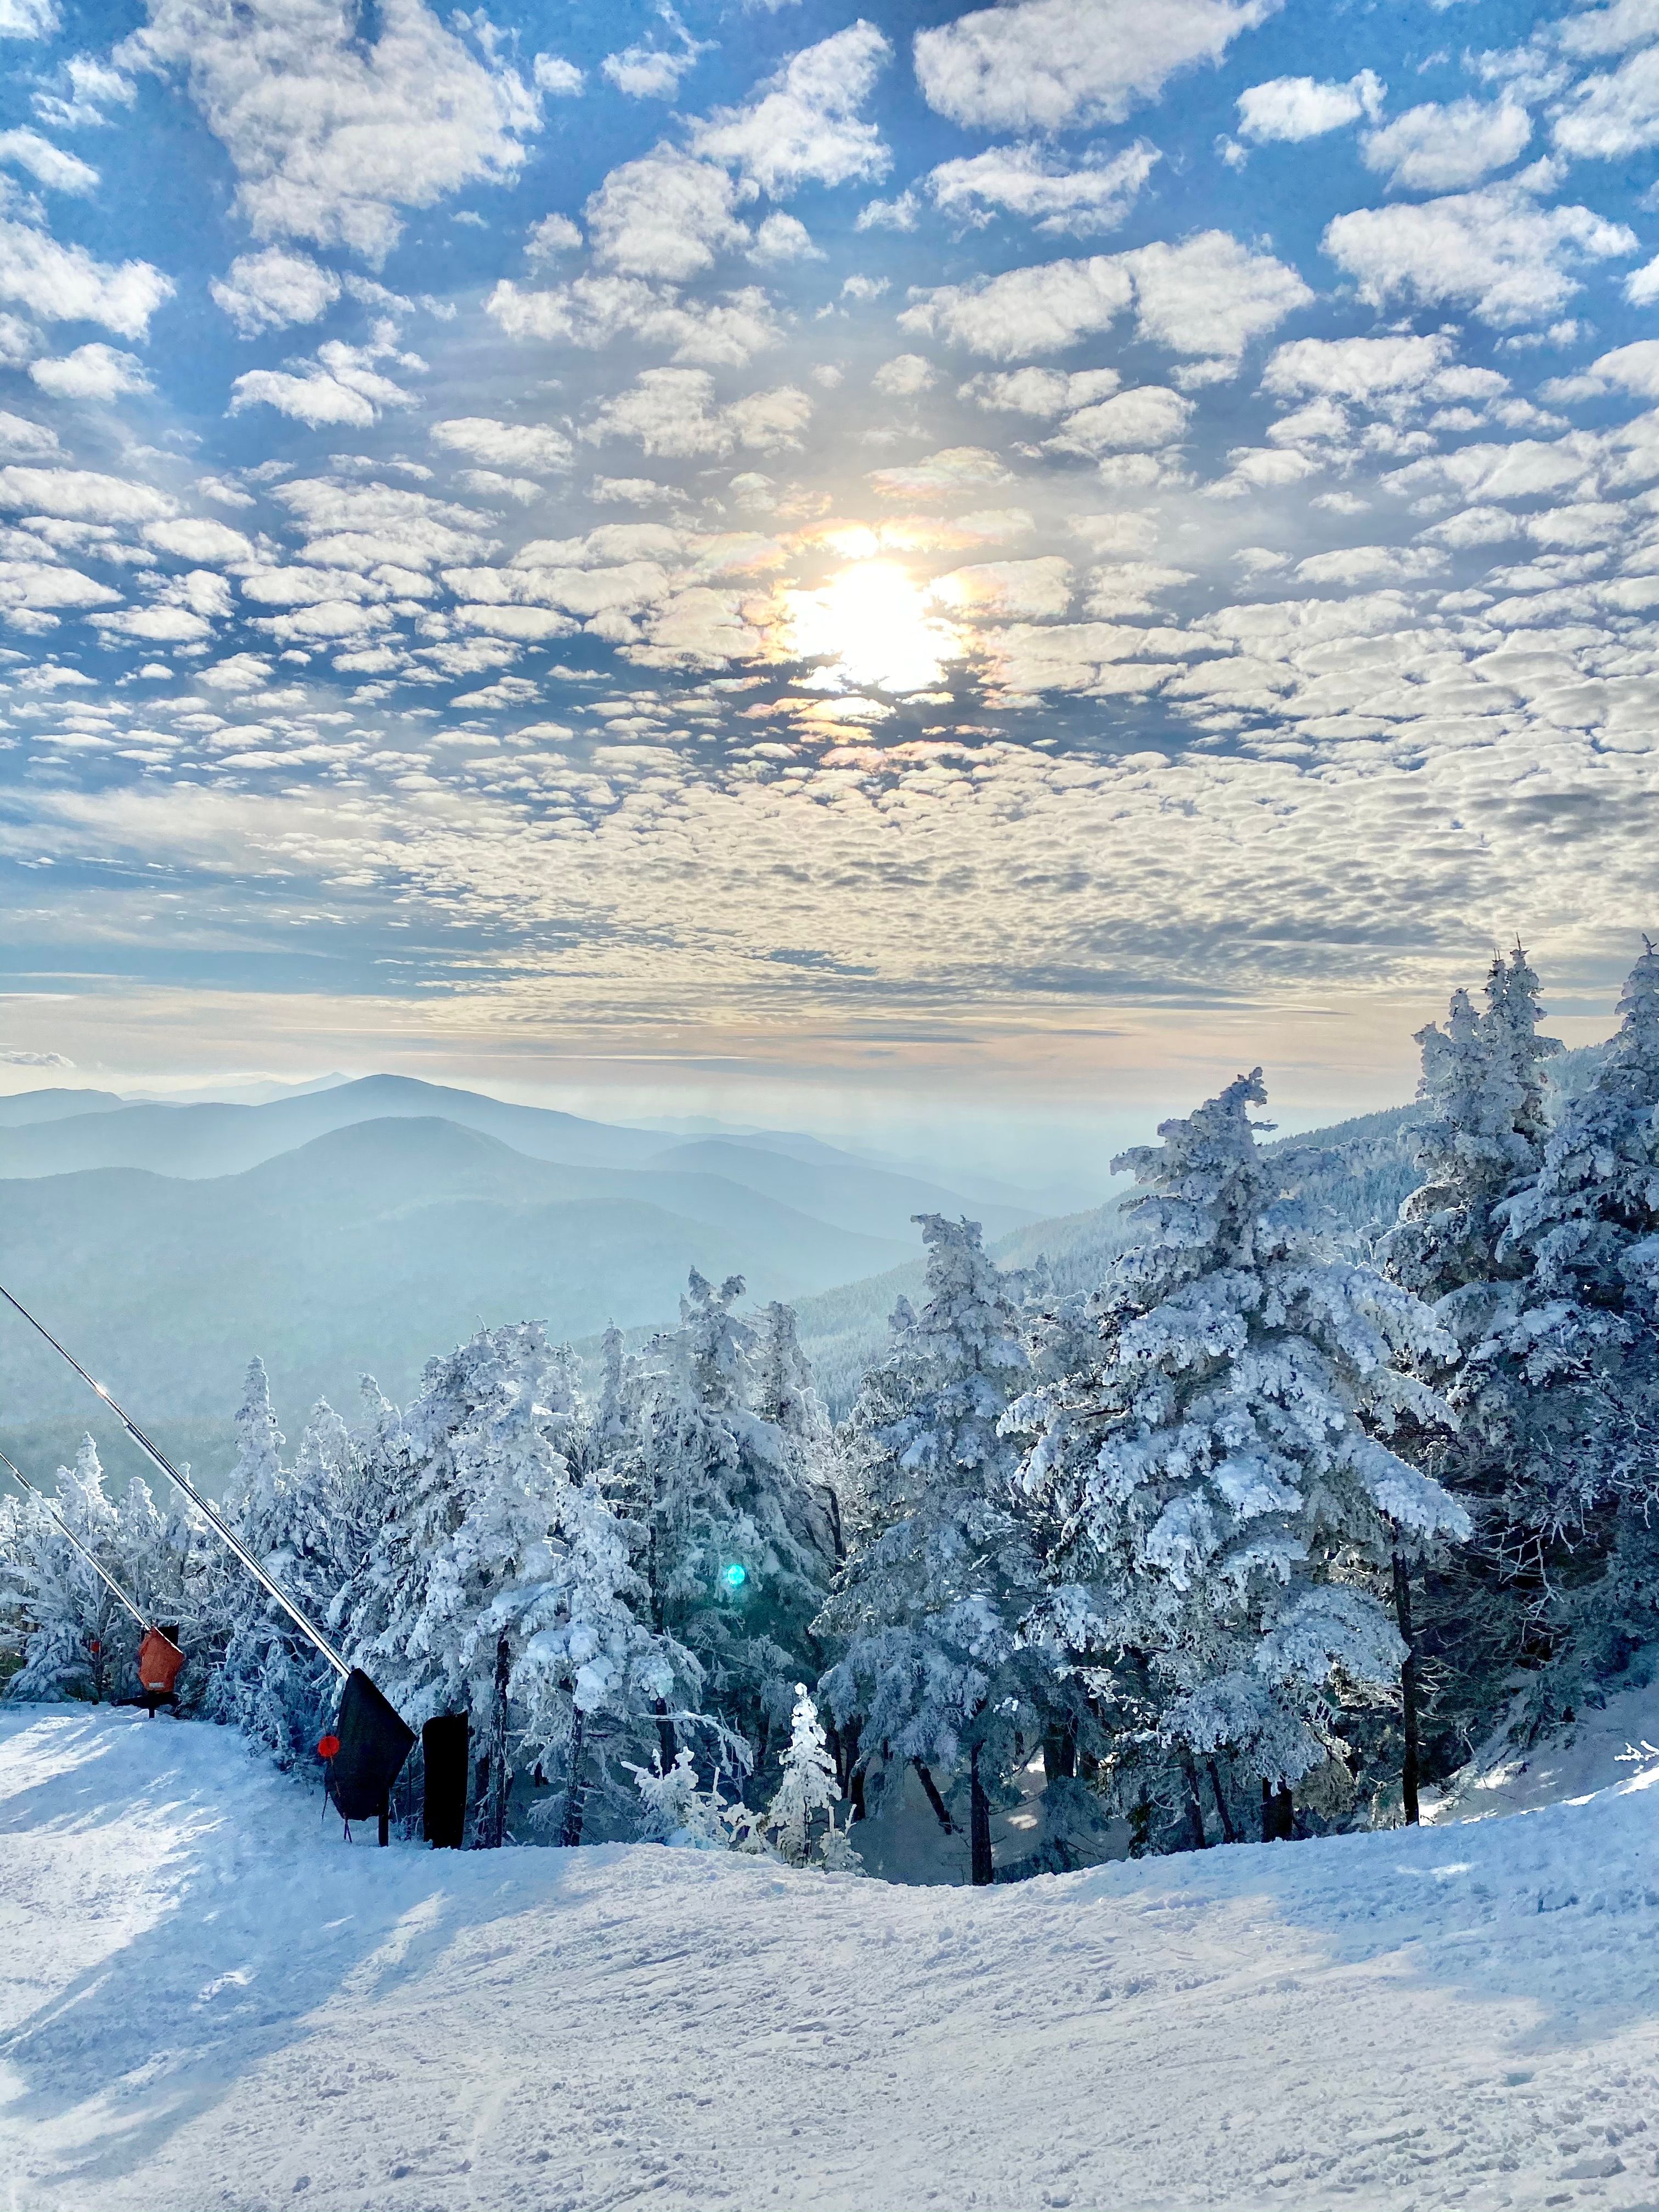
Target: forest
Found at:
x=1259, y=1528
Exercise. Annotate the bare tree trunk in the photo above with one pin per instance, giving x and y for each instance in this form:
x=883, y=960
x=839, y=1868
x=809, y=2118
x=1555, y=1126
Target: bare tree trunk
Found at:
x=979, y=1826
x=1229, y=1833
x=934, y=1797
x=666, y=1743
x=1269, y=1824
x=1197, y=1840
x=500, y=1772
x=1408, y=1709
x=1283, y=1815
x=571, y=1834
x=1059, y=1754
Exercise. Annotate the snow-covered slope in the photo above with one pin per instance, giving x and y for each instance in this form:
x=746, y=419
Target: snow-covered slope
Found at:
x=207, y=2001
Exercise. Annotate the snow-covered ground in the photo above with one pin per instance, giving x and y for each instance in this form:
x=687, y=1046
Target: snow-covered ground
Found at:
x=207, y=2000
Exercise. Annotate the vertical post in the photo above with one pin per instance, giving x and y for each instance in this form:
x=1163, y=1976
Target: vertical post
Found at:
x=1408, y=1712
x=1269, y=1833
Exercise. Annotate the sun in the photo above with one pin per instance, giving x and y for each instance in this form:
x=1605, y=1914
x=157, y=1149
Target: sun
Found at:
x=872, y=623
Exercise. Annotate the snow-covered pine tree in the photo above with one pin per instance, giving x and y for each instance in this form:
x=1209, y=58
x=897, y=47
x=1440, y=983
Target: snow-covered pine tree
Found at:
x=928, y=1608
x=1228, y=1506
x=807, y=1785
x=740, y=1550
x=270, y=1681
x=1483, y=1084
x=1560, y=1396
x=79, y=1639
x=474, y=1488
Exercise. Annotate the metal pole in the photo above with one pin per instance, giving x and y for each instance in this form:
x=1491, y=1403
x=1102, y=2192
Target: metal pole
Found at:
x=115, y=1587
x=232, y=1541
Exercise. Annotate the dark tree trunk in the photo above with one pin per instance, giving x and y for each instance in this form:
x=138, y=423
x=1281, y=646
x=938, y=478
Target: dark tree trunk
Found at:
x=666, y=1743
x=1196, y=1839
x=934, y=1797
x=1229, y=1833
x=1409, y=1721
x=979, y=1825
x=1269, y=1819
x=501, y=1773
x=1283, y=1815
x=1059, y=1754
x=571, y=1834
x=833, y=1502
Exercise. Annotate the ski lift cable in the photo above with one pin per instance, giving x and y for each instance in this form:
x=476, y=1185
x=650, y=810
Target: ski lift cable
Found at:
x=307, y=1628
x=40, y=1497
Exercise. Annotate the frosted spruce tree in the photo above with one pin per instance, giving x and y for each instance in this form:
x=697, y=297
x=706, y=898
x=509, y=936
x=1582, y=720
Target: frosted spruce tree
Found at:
x=1216, y=1465
x=1560, y=1394
x=271, y=1681
x=927, y=1610
x=79, y=1641
x=475, y=1486
x=1483, y=1084
x=806, y=1786
x=739, y=1546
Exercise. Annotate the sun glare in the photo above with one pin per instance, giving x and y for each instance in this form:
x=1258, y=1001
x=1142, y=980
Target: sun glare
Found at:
x=872, y=622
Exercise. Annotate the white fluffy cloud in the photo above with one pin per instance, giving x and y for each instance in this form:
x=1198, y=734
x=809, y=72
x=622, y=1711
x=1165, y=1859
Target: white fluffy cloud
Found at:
x=1495, y=252
x=1439, y=148
x=81, y=496
x=1291, y=108
x=531, y=446
x=665, y=216
x=330, y=135
x=28, y=19
x=66, y=284
x=1130, y=421
x=804, y=127
x=342, y=386
x=593, y=311
x=905, y=375
x=1613, y=114
x=267, y=291
x=1026, y=181
x=91, y=372
x=1208, y=296
x=1041, y=392
x=941, y=474
x=196, y=537
x=24, y=441
x=47, y=164
x=671, y=412
x=1043, y=65
x=1355, y=368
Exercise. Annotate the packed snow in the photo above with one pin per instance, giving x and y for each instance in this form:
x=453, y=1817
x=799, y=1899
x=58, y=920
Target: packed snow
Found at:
x=210, y=2000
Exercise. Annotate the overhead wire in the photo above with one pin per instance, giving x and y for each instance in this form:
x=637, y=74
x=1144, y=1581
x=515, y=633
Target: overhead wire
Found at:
x=307, y=1628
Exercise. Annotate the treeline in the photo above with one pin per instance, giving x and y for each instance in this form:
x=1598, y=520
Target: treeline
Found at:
x=1259, y=1534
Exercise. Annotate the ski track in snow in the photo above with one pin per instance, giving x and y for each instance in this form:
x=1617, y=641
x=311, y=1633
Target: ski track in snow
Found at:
x=207, y=2001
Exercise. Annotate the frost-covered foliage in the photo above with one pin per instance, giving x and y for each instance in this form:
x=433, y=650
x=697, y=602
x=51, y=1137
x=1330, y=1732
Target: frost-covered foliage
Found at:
x=1483, y=1087
x=310, y=1526
x=1560, y=1393
x=77, y=1639
x=1215, y=1462
x=927, y=1610
x=675, y=1808
x=807, y=1785
x=740, y=1542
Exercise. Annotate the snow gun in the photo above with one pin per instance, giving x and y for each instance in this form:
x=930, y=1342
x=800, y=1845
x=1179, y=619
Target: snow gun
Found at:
x=375, y=1738
x=159, y=1658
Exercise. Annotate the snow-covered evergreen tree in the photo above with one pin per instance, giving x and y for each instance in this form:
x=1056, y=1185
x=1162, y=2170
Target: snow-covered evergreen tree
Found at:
x=79, y=1639
x=928, y=1608
x=271, y=1680
x=1216, y=1462
x=1483, y=1083
x=739, y=1549
x=807, y=1785
x=1560, y=1395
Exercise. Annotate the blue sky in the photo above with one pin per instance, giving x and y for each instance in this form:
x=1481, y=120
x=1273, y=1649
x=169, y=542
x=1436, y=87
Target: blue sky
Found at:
x=1052, y=550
